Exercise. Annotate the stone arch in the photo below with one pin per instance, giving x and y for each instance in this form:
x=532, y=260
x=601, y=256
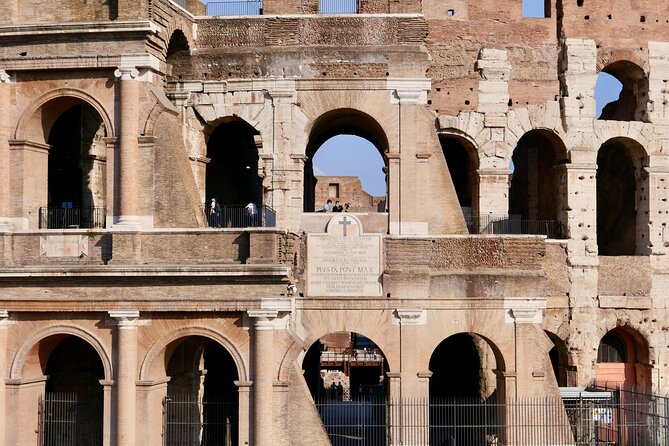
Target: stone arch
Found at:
x=462, y=159
x=335, y=122
x=561, y=360
x=538, y=182
x=622, y=198
x=20, y=359
x=152, y=118
x=635, y=368
x=30, y=118
x=474, y=376
x=632, y=72
x=148, y=365
x=178, y=56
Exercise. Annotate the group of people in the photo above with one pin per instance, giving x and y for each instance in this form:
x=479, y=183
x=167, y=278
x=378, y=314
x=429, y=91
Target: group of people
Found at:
x=329, y=207
x=215, y=215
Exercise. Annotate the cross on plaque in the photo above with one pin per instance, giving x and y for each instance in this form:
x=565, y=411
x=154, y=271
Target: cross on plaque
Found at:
x=344, y=221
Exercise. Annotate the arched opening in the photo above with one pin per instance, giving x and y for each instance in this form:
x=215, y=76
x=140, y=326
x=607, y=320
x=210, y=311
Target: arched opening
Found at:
x=622, y=358
x=178, y=56
x=202, y=402
x=332, y=135
x=233, y=181
x=462, y=162
x=72, y=407
x=622, y=204
x=361, y=185
x=458, y=387
x=632, y=102
x=346, y=375
x=77, y=168
x=559, y=359
x=535, y=193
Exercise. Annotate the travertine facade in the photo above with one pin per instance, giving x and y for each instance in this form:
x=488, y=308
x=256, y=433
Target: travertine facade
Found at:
x=122, y=119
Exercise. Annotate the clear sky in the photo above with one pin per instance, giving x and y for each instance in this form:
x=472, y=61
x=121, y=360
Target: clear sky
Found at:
x=355, y=156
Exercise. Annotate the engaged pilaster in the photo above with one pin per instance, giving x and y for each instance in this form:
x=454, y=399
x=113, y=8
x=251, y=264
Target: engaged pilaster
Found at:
x=4, y=322
x=126, y=372
x=128, y=159
x=5, y=136
x=263, y=373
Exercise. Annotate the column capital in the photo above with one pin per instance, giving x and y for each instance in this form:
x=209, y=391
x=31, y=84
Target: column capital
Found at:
x=126, y=73
x=5, y=78
x=264, y=318
x=124, y=318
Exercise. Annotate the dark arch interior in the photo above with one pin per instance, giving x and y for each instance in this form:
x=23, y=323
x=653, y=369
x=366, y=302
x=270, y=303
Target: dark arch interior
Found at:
x=345, y=366
x=456, y=379
x=534, y=191
x=232, y=173
x=203, y=400
x=631, y=105
x=74, y=371
x=74, y=173
x=461, y=166
x=616, y=200
x=178, y=56
x=612, y=348
x=559, y=360
x=331, y=124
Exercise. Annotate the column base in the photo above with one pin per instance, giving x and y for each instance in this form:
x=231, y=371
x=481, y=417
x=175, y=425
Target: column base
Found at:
x=130, y=222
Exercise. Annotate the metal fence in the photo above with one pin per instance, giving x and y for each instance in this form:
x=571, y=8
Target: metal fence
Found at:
x=69, y=419
x=232, y=8
x=338, y=6
x=239, y=217
x=189, y=421
x=63, y=218
x=513, y=224
x=622, y=419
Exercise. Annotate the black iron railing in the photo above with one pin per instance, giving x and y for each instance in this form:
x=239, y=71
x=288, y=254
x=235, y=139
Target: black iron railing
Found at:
x=338, y=6
x=208, y=421
x=621, y=418
x=70, y=419
x=513, y=224
x=64, y=218
x=240, y=217
x=232, y=8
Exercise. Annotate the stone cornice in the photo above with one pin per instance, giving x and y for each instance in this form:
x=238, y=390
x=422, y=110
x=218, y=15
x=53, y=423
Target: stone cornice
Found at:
x=88, y=28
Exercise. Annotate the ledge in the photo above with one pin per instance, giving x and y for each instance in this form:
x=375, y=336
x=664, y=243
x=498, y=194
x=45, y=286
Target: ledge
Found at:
x=78, y=28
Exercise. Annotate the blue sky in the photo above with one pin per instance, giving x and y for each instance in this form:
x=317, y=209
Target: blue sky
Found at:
x=335, y=155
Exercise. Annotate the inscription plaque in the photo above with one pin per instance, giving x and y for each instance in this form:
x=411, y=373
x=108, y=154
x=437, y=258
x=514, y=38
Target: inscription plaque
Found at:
x=63, y=245
x=344, y=261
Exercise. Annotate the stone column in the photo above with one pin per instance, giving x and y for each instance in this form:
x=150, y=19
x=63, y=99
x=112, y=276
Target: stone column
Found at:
x=128, y=157
x=126, y=374
x=263, y=376
x=415, y=433
x=5, y=136
x=394, y=198
x=4, y=322
x=244, y=428
x=107, y=386
x=493, y=187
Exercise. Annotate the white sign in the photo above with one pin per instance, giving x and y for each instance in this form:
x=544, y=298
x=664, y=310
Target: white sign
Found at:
x=344, y=262
x=63, y=245
x=602, y=415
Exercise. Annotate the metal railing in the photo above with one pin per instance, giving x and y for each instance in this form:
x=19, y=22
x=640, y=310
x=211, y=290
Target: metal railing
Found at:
x=64, y=218
x=625, y=418
x=189, y=420
x=338, y=6
x=69, y=419
x=239, y=217
x=513, y=224
x=232, y=8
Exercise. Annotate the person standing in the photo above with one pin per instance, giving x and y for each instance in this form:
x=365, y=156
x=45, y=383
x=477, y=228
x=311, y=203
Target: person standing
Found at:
x=214, y=213
x=252, y=213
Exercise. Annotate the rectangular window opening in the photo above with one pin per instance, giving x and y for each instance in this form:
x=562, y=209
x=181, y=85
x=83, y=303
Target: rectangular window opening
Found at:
x=333, y=190
x=338, y=6
x=537, y=8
